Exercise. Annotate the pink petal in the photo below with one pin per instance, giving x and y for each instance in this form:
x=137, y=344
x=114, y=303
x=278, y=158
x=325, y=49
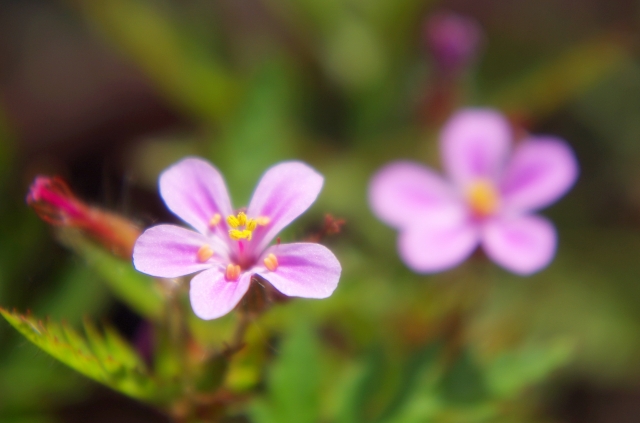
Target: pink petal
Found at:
x=402, y=192
x=284, y=192
x=474, y=145
x=213, y=296
x=195, y=191
x=540, y=172
x=169, y=251
x=429, y=248
x=304, y=270
x=522, y=245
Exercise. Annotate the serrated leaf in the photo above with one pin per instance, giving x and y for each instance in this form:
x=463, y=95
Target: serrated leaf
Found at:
x=106, y=359
x=131, y=286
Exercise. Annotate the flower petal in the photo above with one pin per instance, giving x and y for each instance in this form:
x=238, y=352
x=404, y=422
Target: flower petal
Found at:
x=213, y=296
x=474, y=145
x=522, y=245
x=402, y=192
x=541, y=171
x=169, y=251
x=304, y=270
x=195, y=191
x=284, y=192
x=430, y=248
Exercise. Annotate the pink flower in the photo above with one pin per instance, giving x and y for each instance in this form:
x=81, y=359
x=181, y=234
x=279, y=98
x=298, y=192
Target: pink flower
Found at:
x=489, y=198
x=228, y=246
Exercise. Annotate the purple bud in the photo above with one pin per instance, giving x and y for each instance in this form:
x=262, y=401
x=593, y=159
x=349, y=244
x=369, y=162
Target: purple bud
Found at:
x=453, y=40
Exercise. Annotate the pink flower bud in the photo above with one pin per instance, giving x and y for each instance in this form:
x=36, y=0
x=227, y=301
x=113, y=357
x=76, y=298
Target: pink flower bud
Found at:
x=453, y=40
x=55, y=203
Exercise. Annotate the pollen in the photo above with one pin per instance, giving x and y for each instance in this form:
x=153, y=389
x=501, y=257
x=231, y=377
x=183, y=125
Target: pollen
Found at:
x=271, y=262
x=215, y=220
x=233, y=272
x=204, y=253
x=483, y=198
x=242, y=227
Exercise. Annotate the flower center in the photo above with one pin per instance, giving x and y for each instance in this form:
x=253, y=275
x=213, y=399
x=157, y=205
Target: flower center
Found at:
x=483, y=198
x=243, y=227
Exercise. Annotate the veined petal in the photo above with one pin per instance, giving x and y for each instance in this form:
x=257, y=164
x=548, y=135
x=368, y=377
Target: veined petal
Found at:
x=304, y=270
x=430, y=248
x=522, y=245
x=169, y=251
x=213, y=296
x=474, y=145
x=195, y=191
x=403, y=192
x=284, y=192
x=540, y=172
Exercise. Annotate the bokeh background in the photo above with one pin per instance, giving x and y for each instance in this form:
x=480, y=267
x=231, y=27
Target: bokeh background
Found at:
x=107, y=93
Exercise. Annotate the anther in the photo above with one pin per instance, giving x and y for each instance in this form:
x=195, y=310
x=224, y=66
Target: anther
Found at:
x=233, y=221
x=233, y=272
x=215, y=220
x=204, y=253
x=242, y=218
x=262, y=220
x=271, y=262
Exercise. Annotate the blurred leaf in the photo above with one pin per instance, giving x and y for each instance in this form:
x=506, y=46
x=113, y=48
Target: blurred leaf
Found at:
x=294, y=379
x=463, y=383
x=76, y=293
x=545, y=89
x=416, y=372
x=135, y=289
x=174, y=60
x=104, y=358
x=29, y=418
x=260, y=133
x=514, y=370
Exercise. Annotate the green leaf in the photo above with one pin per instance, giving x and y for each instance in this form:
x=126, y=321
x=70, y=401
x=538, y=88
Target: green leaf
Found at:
x=135, y=289
x=175, y=60
x=545, y=89
x=514, y=370
x=463, y=383
x=104, y=358
x=294, y=381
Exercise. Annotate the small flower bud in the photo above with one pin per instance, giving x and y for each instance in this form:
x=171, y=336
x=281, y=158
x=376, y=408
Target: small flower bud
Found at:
x=54, y=202
x=453, y=40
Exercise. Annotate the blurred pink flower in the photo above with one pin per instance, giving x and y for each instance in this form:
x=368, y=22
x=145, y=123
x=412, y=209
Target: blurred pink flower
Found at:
x=489, y=198
x=453, y=40
x=227, y=248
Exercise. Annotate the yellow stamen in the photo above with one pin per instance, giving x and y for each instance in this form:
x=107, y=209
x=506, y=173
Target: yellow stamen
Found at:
x=233, y=221
x=271, y=262
x=483, y=198
x=204, y=253
x=236, y=235
x=243, y=227
x=215, y=220
x=233, y=272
